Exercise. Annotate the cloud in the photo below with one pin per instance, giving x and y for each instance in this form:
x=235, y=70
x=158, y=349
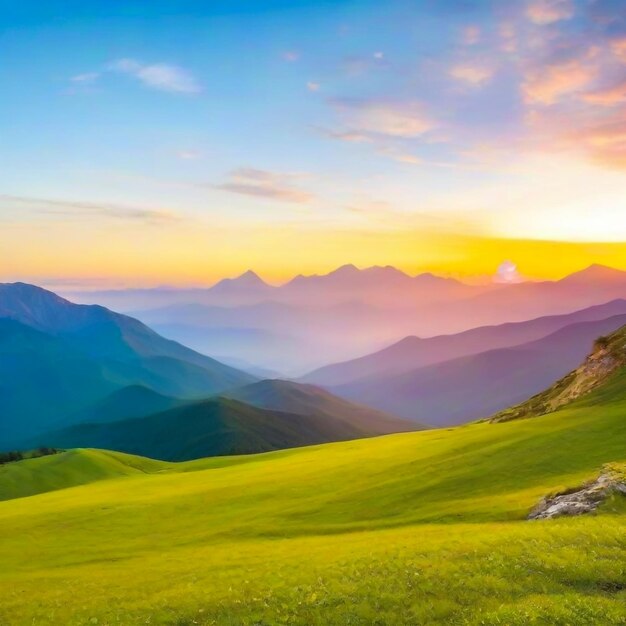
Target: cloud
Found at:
x=78, y=208
x=619, y=48
x=311, y=86
x=189, y=155
x=474, y=73
x=471, y=35
x=400, y=120
x=291, y=56
x=597, y=132
x=605, y=142
x=549, y=11
x=254, y=182
x=609, y=96
x=347, y=135
x=85, y=79
x=161, y=76
x=357, y=65
x=547, y=84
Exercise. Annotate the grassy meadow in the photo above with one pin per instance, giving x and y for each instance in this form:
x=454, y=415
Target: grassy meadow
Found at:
x=417, y=528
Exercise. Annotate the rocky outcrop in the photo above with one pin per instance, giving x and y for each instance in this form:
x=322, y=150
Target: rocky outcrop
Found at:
x=584, y=500
x=608, y=356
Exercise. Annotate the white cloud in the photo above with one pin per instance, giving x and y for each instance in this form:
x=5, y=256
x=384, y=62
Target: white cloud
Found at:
x=406, y=120
x=86, y=78
x=161, y=76
x=249, y=181
x=65, y=209
x=291, y=56
x=188, y=155
x=311, y=86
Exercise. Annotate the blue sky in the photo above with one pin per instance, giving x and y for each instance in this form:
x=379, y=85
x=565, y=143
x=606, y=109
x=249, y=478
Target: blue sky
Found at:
x=318, y=116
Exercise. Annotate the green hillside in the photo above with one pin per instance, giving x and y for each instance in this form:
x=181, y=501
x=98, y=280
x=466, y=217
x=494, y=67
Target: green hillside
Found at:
x=283, y=395
x=416, y=528
x=218, y=426
x=67, y=469
x=58, y=359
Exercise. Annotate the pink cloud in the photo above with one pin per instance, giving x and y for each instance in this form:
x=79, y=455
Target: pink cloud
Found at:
x=472, y=72
x=546, y=85
x=471, y=35
x=610, y=96
x=618, y=46
x=549, y=11
x=394, y=119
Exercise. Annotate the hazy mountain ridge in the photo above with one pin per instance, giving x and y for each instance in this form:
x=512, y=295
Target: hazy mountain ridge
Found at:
x=312, y=320
x=59, y=357
x=293, y=397
x=413, y=352
x=606, y=359
x=471, y=387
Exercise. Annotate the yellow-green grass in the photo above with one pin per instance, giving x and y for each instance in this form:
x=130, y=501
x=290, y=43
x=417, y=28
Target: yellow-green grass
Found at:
x=415, y=528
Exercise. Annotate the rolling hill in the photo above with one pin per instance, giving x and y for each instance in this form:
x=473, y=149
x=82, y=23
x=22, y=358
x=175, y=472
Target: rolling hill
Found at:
x=223, y=426
x=68, y=469
x=292, y=397
x=58, y=358
x=426, y=527
x=126, y=403
x=468, y=388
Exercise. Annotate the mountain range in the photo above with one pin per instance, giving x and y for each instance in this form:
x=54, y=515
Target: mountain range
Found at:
x=313, y=320
x=470, y=387
x=57, y=358
x=82, y=375
x=414, y=352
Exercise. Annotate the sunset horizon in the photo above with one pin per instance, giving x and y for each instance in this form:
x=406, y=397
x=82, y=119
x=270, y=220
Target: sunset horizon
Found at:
x=313, y=312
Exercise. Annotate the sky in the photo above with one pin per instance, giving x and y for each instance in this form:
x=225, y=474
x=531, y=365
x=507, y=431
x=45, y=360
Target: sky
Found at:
x=149, y=143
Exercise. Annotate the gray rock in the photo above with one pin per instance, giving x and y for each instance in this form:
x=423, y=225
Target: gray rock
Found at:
x=585, y=500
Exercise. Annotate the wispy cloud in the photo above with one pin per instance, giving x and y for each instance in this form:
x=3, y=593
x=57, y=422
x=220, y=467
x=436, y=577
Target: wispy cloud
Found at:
x=393, y=119
x=549, y=11
x=79, y=208
x=291, y=56
x=346, y=135
x=607, y=96
x=471, y=35
x=86, y=78
x=547, y=84
x=189, y=155
x=313, y=86
x=161, y=76
x=618, y=45
x=473, y=73
x=258, y=183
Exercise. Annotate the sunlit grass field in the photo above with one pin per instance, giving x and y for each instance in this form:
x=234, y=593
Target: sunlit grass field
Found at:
x=418, y=528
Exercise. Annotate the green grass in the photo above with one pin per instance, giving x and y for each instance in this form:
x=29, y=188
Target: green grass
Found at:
x=419, y=528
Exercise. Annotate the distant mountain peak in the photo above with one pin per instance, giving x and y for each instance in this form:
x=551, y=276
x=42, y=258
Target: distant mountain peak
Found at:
x=596, y=271
x=250, y=277
x=247, y=280
x=346, y=269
